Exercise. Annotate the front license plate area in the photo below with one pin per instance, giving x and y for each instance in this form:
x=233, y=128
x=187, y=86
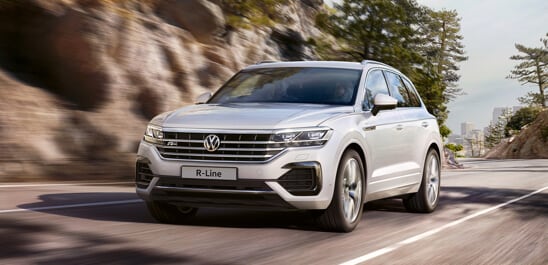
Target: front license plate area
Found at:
x=213, y=173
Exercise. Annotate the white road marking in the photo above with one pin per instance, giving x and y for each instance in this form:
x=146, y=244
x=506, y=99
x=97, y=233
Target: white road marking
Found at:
x=418, y=237
x=60, y=184
x=71, y=206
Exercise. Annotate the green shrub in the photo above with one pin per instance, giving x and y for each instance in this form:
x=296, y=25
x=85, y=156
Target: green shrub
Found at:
x=521, y=118
x=247, y=13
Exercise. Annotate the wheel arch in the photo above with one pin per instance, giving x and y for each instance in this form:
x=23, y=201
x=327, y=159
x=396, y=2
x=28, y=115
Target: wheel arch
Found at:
x=435, y=147
x=434, y=141
x=361, y=152
x=439, y=150
x=356, y=147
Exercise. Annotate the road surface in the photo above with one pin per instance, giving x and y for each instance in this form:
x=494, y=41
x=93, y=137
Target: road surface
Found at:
x=491, y=212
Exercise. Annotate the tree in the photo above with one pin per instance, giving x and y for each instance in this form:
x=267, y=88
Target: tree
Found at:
x=455, y=147
x=521, y=118
x=444, y=131
x=532, y=69
x=376, y=30
x=531, y=99
x=425, y=45
x=495, y=134
x=444, y=49
x=495, y=131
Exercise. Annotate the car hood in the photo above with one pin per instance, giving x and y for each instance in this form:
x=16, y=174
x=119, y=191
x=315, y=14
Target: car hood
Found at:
x=250, y=116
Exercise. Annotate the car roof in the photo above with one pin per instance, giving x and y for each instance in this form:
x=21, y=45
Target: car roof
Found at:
x=326, y=64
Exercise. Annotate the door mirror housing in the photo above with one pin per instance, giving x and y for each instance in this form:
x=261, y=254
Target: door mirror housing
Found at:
x=383, y=102
x=203, y=98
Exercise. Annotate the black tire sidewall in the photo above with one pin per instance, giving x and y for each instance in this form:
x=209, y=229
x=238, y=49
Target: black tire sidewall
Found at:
x=339, y=186
x=425, y=181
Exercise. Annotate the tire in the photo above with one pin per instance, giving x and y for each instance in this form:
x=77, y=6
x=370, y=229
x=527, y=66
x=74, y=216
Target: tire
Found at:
x=170, y=214
x=427, y=198
x=345, y=210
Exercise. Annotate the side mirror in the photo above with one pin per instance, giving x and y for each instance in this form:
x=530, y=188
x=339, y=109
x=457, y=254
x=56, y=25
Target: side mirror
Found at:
x=383, y=102
x=203, y=98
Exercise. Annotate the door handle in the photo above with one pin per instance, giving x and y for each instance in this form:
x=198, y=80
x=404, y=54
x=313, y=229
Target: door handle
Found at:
x=424, y=124
x=399, y=127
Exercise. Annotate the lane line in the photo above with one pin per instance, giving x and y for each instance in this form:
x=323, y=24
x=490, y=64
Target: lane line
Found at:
x=61, y=184
x=71, y=206
x=418, y=237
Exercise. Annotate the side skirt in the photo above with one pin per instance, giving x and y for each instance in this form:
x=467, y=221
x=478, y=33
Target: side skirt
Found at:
x=412, y=188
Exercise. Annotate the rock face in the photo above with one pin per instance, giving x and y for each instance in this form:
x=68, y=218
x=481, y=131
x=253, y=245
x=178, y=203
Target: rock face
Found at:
x=203, y=19
x=79, y=79
x=531, y=142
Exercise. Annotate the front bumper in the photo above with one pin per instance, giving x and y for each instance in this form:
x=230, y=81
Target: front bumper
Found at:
x=276, y=184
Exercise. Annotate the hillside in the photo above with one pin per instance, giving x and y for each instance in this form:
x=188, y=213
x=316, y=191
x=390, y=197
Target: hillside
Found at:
x=79, y=79
x=531, y=142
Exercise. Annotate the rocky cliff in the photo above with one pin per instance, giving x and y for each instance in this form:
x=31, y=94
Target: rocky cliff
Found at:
x=531, y=142
x=79, y=79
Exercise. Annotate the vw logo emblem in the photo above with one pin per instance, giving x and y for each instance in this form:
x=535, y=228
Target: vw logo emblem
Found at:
x=212, y=143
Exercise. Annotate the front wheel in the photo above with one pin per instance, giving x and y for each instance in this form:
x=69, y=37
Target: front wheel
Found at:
x=170, y=214
x=346, y=207
x=427, y=198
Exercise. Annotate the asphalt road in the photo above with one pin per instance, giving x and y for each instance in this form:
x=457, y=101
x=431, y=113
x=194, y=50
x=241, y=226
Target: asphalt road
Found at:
x=492, y=212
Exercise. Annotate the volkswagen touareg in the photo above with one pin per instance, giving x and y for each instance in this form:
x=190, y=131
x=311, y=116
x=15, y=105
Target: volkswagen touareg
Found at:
x=325, y=137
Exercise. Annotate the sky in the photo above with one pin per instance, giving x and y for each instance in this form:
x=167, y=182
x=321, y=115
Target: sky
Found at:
x=490, y=29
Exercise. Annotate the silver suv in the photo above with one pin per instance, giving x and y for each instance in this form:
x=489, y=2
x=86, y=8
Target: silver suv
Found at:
x=320, y=136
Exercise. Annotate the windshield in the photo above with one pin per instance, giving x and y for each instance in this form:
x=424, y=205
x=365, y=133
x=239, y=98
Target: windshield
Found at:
x=291, y=85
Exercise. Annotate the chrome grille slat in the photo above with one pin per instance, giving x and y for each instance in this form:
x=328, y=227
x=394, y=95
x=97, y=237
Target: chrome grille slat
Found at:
x=239, y=142
x=216, y=155
x=252, y=149
x=183, y=140
x=223, y=149
x=248, y=142
x=234, y=147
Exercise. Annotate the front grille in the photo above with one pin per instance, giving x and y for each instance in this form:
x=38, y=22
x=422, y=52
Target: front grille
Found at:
x=235, y=185
x=143, y=175
x=300, y=181
x=233, y=147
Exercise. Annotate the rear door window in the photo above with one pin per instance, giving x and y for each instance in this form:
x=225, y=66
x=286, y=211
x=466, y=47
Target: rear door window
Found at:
x=397, y=89
x=414, y=100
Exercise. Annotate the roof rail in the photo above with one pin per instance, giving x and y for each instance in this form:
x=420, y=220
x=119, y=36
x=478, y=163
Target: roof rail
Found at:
x=364, y=62
x=266, y=61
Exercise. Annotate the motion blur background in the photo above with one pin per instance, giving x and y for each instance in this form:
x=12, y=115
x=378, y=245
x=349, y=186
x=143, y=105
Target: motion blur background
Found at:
x=79, y=79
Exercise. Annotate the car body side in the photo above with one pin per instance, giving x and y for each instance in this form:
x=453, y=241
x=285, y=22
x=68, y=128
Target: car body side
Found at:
x=367, y=132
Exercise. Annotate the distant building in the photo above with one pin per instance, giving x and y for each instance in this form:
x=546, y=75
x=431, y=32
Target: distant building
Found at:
x=498, y=112
x=455, y=139
x=474, y=143
x=466, y=128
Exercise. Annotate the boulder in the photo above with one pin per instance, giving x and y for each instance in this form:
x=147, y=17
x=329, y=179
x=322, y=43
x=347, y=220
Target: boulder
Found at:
x=531, y=142
x=80, y=79
x=202, y=18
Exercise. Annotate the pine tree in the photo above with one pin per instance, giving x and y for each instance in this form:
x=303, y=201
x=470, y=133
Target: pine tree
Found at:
x=425, y=45
x=495, y=131
x=376, y=30
x=444, y=49
x=532, y=69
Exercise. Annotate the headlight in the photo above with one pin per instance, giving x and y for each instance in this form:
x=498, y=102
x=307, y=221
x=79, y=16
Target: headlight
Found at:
x=312, y=135
x=154, y=134
x=284, y=137
x=302, y=137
